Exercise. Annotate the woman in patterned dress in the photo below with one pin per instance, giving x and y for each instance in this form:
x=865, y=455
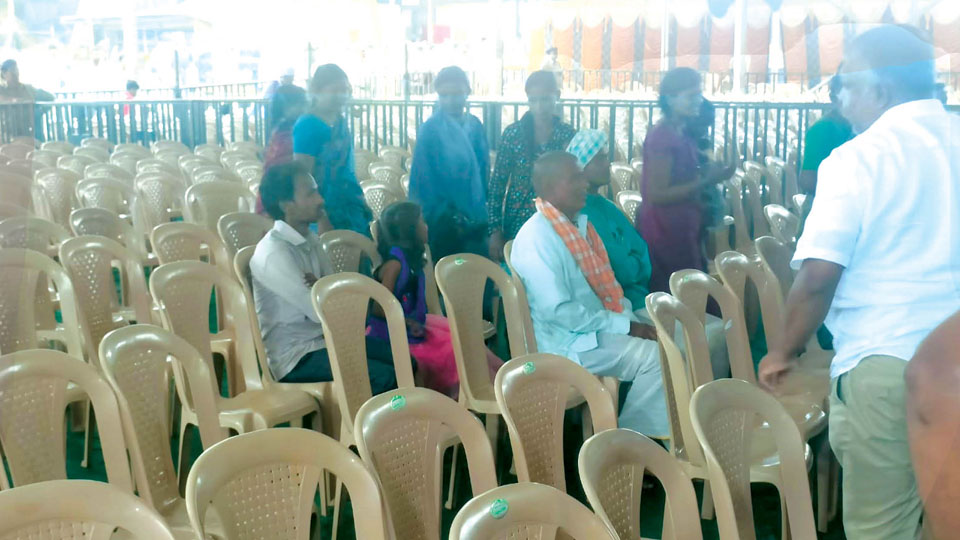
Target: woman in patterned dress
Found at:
x=510, y=193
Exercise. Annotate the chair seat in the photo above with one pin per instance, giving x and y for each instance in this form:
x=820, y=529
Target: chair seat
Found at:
x=266, y=408
x=178, y=520
x=489, y=330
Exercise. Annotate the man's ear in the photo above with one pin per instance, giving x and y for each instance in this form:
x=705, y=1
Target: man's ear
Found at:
x=284, y=205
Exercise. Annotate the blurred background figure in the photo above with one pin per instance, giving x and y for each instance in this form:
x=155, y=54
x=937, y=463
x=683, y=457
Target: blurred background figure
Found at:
x=14, y=90
x=323, y=142
x=448, y=177
x=286, y=106
x=822, y=138
x=132, y=89
x=540, y=130
x=286, y=79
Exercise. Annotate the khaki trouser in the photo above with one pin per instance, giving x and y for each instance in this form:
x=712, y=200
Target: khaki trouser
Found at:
x=868, y=433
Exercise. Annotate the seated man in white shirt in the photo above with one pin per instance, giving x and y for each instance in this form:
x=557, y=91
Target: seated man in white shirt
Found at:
x=879, y=262
x=578, y=308
x=287, y=262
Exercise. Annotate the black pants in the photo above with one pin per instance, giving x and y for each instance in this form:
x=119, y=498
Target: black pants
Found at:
x=315, y=367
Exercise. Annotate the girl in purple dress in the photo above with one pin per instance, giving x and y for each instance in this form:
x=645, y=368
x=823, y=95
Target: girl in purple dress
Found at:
x=671, y=212
x=402, y=238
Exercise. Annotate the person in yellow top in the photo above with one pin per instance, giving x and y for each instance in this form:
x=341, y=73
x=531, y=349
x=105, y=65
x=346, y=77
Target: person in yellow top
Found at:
x=14, y=90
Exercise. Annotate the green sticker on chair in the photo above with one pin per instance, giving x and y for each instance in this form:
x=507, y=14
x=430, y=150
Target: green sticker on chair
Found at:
x=499, y=508
x=398, y=402
x=529, y=368
x=458, y=261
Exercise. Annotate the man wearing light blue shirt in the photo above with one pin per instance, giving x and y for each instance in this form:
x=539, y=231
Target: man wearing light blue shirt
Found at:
x=569, y=319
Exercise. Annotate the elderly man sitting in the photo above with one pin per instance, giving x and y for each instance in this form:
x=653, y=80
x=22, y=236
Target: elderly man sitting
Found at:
x=626, y=249
x=579, y=310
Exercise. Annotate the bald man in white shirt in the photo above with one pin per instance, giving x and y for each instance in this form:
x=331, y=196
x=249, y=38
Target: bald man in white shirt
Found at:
x=879, y=262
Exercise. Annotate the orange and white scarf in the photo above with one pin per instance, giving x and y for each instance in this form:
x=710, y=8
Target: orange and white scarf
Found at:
x=590, y=255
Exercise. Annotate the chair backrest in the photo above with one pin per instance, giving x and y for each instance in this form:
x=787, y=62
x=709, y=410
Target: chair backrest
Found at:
x=98, y=142
x=532, y=393
x=363, y=160
x=33, y=398
x=75, y=163
x=530, y=339
x=205, y=203
x=761, y=174
x=347, y=250
x=8, y=210
x=247, y=147
x=724, y=414
x=170, y=146
x=126, y=160
x=26, y=305
x=527, y=511
x=60, y=147
x=135, y=361
x=798, y=201
x=787, y=175
x=34, y=233
x=784, y=225
x=189, y=242
x=241, y=229
x=156, y=165
x=401, y=435
x=776, y=170
x=97, y=154
x=753, y=190
x=45, y=158
x=230, y=158
x=101, y=222
x=216, y=173
x=183, y=290
x=241, y=270
x=250, y=174
x=612, y=465
x=15, y=151
x=114, y=195
x=694, y=288
x=341, y=301
x=379, y=196
x=462, y=279
x=736, y=270
x=91, y=261
x=59, y=190
x=623, y=176
x=132, y=148
x=683, y=370
x=158, y=200
x=629, y=202
x=107, y=170
x=16, y=189
x=735, y=196
x=386, y=174
x=63, y=509
x=262, y=485
x=209, y=151
x=775, y=259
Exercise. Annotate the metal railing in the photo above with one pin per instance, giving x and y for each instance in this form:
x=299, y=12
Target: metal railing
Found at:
x=750, y=130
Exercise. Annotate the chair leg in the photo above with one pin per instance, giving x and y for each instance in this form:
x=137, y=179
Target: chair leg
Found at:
x=86, y=435
x=706, y=512
x=824, y=459
x=667, y=531
x=182, y=457
x=493, y=434
x=784, y=518
x=336, y=509
x=453, y=477
x=587, y=422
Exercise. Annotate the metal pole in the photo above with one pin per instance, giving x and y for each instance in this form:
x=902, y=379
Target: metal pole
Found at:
x=176, y=74
x=739, y=40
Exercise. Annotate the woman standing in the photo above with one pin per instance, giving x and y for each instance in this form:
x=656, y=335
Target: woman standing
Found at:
x=510, y=195
x=673, y=180
x=448, y=177
x=323, y=142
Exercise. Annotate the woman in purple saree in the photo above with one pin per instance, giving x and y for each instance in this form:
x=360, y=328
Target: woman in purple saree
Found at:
x=670, y=215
